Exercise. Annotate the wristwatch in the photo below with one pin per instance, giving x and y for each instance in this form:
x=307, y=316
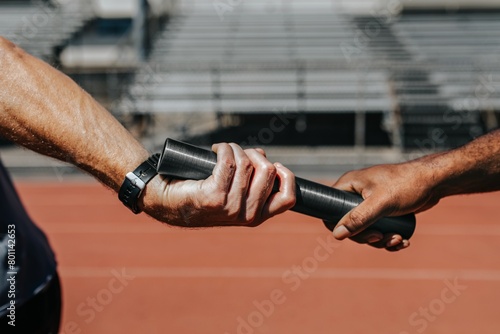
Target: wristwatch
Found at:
x=135, y=182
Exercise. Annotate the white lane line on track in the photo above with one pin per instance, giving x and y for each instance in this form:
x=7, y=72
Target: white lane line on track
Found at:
x=228, y=272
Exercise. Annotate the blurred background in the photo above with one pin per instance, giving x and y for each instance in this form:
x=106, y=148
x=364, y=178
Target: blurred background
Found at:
x=325, y=87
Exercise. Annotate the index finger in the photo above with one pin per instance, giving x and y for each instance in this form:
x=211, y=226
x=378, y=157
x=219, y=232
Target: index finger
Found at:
x=360, y=218
x=345, y=182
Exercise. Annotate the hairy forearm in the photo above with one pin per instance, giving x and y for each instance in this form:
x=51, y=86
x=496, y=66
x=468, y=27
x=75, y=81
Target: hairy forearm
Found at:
x=472, y=168
x=44, y=110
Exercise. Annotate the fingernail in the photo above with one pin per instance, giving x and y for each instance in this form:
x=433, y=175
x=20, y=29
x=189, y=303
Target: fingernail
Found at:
x=341, y=232
x=278, y=165
x=393, y=242
x=374, y=238
x=403, y=245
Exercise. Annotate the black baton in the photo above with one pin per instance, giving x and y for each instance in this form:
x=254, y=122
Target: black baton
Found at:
x=184, y=161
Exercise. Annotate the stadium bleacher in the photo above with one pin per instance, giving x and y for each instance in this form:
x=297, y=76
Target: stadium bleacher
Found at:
x=41, y=26
x=454, y=89
x=415, y=74
x=419, y=79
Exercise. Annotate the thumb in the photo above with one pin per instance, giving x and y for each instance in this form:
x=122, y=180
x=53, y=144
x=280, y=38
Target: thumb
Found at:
x=359, y=218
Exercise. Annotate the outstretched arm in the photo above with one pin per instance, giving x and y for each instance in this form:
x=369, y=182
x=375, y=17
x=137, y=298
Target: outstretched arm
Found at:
x=417, y=185
x=44, y=110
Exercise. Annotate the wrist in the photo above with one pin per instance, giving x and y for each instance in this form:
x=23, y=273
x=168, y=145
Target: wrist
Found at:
x=134, y=183
x=440, y=173
x=111, y=169
x=125, y=164
x=150, y=199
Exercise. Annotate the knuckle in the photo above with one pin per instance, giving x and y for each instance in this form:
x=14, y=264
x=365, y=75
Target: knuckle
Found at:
x=269, y=168
x=357, y=220
x=233, y=214
x=250, y=219
x=348, y=176
x=228, y=163
x=344, y=175
x=217, y=201
x=289, y=201
x=246, y=165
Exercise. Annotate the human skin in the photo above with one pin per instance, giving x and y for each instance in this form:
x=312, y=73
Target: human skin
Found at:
x=44, y=110
x=416, y=186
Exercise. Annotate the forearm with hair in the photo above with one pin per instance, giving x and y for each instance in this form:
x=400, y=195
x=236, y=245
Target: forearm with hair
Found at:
x=44, y=110
x=472, y=168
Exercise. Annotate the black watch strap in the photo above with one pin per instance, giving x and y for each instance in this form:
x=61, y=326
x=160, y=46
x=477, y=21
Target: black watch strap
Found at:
x=136, y=181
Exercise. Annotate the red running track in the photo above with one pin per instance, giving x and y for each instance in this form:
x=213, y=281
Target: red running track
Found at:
x=129, y=274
